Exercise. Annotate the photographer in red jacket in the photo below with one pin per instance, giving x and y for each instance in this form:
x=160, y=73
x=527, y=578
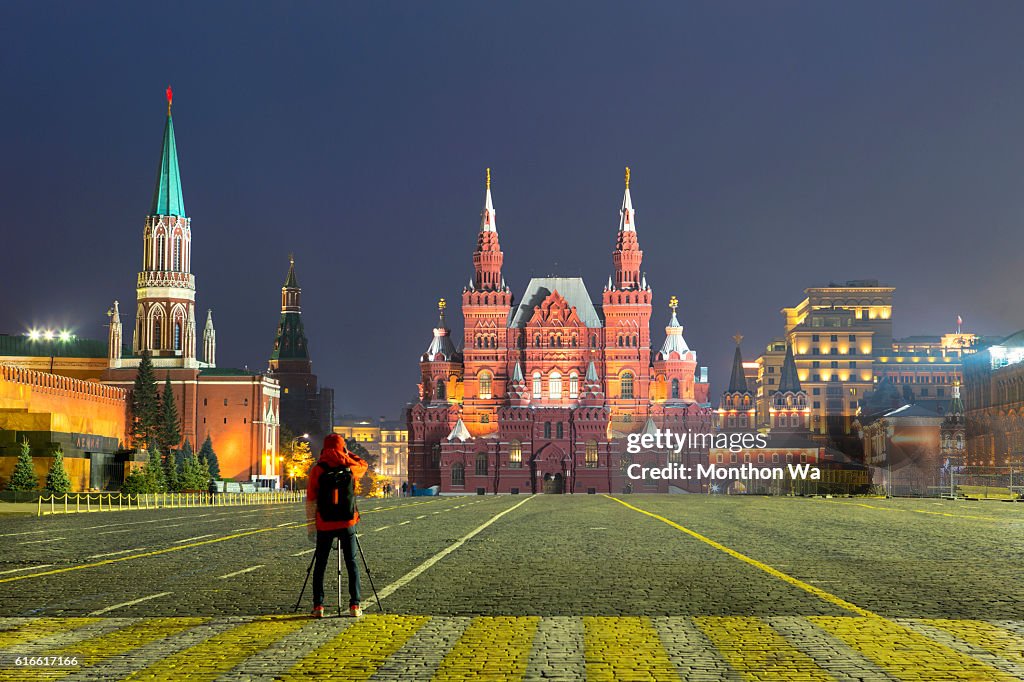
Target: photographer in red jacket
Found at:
x=333, y=456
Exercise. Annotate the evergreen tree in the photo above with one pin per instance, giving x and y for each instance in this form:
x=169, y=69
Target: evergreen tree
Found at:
x=155, y=476
x=136, y=482
x=145, y=405
x=172, y=474
x=57, y=480
x=169, y=429
x=196, y=474
x=206, y=454
x=182, y=454
x=23, y=478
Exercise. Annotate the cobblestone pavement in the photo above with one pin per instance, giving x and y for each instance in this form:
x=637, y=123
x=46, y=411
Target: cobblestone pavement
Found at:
x=632, y=587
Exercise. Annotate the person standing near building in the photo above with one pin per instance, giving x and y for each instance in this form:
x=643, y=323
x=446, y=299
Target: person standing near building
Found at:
x=335, y=463
x=405, y=488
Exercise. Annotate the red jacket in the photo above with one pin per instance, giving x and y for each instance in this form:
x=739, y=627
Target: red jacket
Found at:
x=334, y=454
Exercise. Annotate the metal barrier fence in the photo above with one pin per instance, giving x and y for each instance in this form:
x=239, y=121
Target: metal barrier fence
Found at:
x=73, y=503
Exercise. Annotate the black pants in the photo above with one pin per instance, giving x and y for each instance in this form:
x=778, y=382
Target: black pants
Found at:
x=347, y=541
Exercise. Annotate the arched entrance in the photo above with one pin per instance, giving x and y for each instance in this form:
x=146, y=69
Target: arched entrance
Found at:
x=550, y=469
x=554, y=484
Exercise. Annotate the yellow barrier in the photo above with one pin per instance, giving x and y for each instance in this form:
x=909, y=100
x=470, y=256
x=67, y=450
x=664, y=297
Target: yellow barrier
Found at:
x=73, y=503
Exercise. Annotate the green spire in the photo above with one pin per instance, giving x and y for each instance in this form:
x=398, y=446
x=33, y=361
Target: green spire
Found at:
x=290, y=282
x=167, y=199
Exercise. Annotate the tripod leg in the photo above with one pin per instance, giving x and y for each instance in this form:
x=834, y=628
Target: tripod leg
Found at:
x=339, y=577
x=368, y=576
x=305, y=582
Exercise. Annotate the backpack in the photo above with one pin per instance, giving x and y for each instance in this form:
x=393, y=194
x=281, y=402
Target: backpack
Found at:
x=336, y=497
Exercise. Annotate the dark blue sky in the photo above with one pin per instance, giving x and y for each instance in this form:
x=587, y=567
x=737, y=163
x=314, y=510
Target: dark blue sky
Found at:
x=774, y=146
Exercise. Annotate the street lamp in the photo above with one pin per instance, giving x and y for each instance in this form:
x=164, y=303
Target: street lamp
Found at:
x=51, y=337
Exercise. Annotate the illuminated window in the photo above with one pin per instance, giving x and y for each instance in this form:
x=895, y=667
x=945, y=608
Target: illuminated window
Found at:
x=536, y=385
x=590, y=454
x=675, y=389
x=485, y=384
x=574, y=385
x=515, y=455
x=177, y=335
x=555, y=386
x=627, y=385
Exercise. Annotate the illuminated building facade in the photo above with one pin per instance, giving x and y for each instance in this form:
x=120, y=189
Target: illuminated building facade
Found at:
x=993, y=400
x=237, y=409
x=543, y=389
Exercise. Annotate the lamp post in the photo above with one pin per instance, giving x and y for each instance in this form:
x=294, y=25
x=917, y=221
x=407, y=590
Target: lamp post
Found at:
x=52, y=338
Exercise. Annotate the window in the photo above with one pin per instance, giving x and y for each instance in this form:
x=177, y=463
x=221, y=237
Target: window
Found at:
x=675, y=389
x=834, y=364
x=485, y=384
x=245, y=401
x=852, y=364
x=435, y=454
x=485, y=419
x=853, y=338
x=177, y=253
x=814, y=338
x=515, y=455
x=590, y=454
x=555, y=386
x=177, y=335
x=815, y=391
x=547, y=429
x=204, y=402
x=574, y=385
x=627, y=385
x=158, y=332
x=815, y=363
x=536, y=385
x=559, y=431
x=481, y=464
x=225, y=402
x=817, y=404
x=458, y=474
x=834, y=338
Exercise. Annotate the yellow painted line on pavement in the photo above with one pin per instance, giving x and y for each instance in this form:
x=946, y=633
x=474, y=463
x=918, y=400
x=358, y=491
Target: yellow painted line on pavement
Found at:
x=42, y=627
x=156, y=552
x=96, y=649
x=795, y=582
x=220, y=653
x=491, y=648
x=991, y=638
x=756, y=651
x=922, y=511
x=625, y=648
x=905, y=653
x=359, y=650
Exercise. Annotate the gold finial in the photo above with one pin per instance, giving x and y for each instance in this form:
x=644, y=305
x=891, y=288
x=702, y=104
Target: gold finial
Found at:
x=441, y=305
x=627, y=177
x=673, y=303
x=737, y=338
x=488, y=178
x=291, y=258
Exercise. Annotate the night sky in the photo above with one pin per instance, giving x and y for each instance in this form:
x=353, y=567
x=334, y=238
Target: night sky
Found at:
x=774, y=146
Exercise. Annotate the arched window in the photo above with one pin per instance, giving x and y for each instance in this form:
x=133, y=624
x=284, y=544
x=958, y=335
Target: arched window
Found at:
x=536, y=339
x=547, y=429
x=440, y=389
x=574, y=385
x=177, y=253
x=627, y=385
x=515, y=455
x=593, y=340
x=536, y=385
x=158, y=331
x=485, y=384
x=590, y=454
x=675, y=389
x=177, y=335
x=481, y=464
x=458, y=474
x=555, y=386
x=559, y=431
